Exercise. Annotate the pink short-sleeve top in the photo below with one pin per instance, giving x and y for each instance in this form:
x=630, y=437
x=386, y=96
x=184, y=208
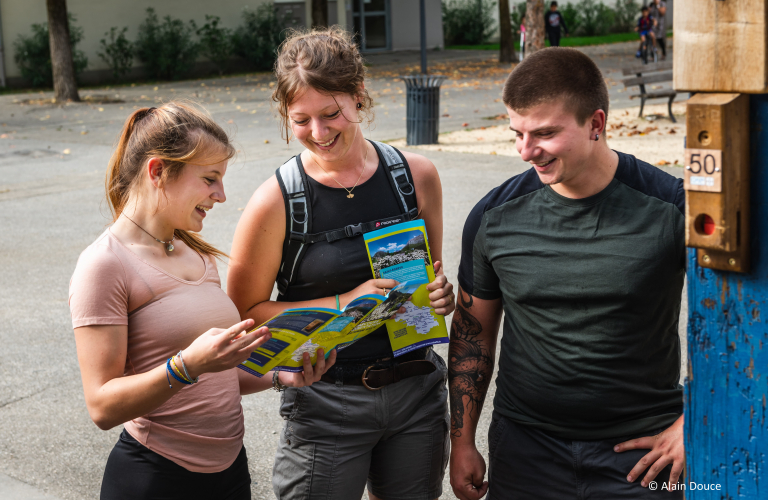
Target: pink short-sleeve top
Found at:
x=201, y=427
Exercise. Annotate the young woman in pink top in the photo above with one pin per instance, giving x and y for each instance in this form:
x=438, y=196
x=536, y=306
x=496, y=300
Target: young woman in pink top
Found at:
x=157, y=338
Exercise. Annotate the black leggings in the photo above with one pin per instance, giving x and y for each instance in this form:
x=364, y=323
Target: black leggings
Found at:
x=135, y=472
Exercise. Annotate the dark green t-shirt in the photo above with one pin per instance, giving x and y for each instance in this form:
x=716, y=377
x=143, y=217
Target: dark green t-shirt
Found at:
x=591, y=293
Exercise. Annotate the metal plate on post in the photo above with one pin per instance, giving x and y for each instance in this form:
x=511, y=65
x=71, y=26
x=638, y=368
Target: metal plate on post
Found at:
x=704, y=170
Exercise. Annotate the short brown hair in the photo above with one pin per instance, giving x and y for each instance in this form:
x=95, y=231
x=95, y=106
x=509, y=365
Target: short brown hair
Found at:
x=557, y=73
x=178, y=133
x=326, y=60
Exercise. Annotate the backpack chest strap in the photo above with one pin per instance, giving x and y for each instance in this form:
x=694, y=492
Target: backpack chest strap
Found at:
x=351, y=230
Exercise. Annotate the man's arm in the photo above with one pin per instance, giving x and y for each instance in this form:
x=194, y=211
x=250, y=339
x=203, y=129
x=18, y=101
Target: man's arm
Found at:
x=471, y=357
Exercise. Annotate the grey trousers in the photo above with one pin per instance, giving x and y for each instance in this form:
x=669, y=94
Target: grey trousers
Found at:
x=338, y=438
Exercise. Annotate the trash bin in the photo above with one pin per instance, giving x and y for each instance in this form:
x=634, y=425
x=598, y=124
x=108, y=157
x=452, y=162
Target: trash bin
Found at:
x=422, y=96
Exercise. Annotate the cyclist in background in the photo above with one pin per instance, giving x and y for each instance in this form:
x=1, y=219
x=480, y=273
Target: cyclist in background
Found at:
x=645, y=28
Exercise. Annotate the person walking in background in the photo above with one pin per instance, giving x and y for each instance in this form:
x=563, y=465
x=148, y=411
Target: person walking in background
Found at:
x=554, y=23
x=522, y=37
x=658, y=11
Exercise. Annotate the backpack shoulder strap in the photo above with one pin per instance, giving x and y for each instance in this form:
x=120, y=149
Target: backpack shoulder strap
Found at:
x=399, y=175
x=298, y=217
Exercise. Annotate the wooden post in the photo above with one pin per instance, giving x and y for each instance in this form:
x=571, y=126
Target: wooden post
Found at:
x=721, y=52
x=726, y=429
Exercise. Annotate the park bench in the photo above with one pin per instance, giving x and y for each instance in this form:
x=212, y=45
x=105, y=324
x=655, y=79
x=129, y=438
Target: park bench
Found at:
x=645, y=74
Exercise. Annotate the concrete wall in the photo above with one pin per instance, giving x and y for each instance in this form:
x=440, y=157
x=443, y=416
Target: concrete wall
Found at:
x=404, y=20
x=97, y=16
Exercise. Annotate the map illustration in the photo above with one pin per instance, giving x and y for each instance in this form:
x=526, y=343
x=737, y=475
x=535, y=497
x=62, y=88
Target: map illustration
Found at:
x=307, y=346
x=418, y=317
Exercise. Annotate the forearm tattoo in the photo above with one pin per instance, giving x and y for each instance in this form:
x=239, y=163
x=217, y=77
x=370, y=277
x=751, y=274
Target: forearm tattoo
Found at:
x=470, y=365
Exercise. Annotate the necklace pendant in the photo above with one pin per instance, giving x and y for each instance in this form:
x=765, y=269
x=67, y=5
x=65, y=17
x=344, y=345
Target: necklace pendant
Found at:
x=350, y=195
x=169, y=247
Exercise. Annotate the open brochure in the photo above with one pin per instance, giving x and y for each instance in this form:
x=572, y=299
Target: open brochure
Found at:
x=400, y=252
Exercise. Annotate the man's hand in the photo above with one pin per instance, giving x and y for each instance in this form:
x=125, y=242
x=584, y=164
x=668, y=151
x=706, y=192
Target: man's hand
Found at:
x=467, y=472
x=666, y=448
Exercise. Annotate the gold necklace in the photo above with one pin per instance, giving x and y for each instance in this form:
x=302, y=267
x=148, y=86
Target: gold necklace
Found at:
x=349, y=191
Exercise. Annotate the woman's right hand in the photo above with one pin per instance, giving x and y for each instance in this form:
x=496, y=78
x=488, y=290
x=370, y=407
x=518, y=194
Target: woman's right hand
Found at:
x=370, y=287
x=217, y=349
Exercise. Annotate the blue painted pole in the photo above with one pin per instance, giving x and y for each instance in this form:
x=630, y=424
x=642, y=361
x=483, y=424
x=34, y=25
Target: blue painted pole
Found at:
x=726, y=431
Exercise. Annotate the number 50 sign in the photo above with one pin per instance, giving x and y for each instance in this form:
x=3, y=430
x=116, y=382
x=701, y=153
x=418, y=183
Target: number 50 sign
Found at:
x=703, y=170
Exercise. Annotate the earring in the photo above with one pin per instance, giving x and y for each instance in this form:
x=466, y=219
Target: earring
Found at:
x=359, y=105
x=597, y=137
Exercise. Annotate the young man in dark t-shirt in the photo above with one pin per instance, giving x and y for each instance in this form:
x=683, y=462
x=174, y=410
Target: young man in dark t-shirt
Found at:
x=584, y=255
x=554, y=23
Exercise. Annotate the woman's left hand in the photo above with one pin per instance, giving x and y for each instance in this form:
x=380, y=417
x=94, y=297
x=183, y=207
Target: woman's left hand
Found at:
x=441, y=292
x=311, y=374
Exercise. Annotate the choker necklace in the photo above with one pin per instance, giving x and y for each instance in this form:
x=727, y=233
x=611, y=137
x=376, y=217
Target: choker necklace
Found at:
x=349, y=191
x=168, y=244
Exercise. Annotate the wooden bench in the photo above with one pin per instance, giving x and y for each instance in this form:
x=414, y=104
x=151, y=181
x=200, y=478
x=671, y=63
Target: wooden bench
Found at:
x=645, y=74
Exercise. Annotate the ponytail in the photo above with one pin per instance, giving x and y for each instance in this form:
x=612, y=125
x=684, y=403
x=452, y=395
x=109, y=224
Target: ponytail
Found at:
x=177, y=133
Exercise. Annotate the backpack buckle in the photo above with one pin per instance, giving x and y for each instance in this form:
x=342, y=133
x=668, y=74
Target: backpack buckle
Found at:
x=353, y=230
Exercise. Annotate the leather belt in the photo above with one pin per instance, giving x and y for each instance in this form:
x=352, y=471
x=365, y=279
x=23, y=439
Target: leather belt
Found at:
x=376, y=377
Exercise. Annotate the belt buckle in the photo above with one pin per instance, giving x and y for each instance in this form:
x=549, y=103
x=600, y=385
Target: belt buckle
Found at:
x=365, y=377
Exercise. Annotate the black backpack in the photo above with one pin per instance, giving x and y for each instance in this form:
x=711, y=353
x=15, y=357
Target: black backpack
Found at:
x=298, y=213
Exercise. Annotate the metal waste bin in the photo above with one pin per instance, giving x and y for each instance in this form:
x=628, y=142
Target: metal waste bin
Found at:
x=422, y=96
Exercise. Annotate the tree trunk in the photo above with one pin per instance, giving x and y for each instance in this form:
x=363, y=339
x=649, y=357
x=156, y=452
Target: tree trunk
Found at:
x=506, y=41
x=319, y=13
x=534, y=26
x=64, y=84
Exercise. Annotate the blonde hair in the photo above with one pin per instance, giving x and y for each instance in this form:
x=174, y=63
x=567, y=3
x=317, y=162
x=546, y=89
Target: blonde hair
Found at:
x=326, y=60
x=177, y=133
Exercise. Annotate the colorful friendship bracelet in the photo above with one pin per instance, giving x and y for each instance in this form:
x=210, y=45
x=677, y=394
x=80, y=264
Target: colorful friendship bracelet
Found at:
x=184, y=366
x=177, y=370
x=173, y=374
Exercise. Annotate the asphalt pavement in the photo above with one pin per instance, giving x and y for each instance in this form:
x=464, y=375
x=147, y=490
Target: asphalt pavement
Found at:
x=52, y=164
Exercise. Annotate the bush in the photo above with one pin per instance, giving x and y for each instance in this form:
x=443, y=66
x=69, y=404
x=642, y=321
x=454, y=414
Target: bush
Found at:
x=32, y=54
x=627, y=12
x=468, y=22
x=258, y=38
x=572, y=16
x=166, y=48
x=117, y=52
x=588, y=18
x=216, y=43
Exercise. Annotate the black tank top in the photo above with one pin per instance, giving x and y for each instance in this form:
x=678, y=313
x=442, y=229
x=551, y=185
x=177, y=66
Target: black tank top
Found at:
x=334, y=268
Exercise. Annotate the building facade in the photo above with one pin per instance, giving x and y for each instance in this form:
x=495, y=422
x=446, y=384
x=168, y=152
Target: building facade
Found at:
x=380, y=25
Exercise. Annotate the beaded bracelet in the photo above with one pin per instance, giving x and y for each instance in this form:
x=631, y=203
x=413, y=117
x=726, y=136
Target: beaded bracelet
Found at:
x=170, y=370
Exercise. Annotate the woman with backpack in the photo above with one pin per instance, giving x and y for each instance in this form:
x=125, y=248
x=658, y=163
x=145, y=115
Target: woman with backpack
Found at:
x=372, y=418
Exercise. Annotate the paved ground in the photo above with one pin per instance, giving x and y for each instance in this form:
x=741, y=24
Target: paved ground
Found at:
x=52, y=162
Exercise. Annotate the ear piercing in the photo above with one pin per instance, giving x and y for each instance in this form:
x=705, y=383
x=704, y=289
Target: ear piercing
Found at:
x=597, y=137
x=359, y=105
